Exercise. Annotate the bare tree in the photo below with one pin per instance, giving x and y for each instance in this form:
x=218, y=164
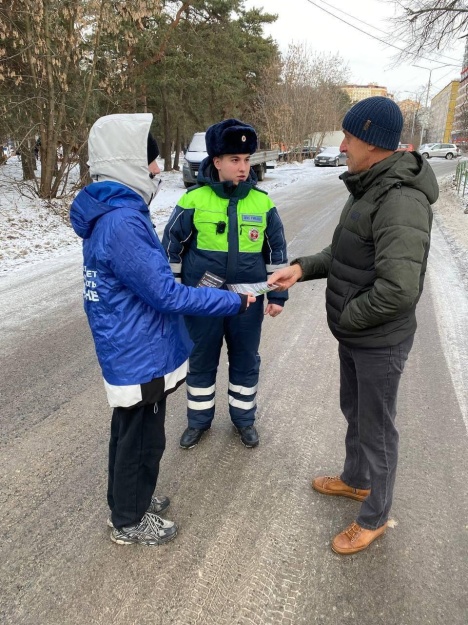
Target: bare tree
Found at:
x=430, y=25
x=301, y=97
x=413, y=112
x=62, y=64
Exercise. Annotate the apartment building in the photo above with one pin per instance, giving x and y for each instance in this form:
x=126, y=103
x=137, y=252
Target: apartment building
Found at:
x=360, y=92
x=442, y=113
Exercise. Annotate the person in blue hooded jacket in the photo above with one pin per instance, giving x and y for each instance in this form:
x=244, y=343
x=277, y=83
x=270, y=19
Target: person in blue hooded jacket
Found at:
x=134, y=308
x=228, y=226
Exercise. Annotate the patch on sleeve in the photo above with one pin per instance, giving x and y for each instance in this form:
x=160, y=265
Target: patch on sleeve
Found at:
x=256, y=219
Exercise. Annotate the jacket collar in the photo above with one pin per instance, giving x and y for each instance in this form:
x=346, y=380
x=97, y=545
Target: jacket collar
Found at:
x=358, y=184
x=406, y=169
x=207, y=176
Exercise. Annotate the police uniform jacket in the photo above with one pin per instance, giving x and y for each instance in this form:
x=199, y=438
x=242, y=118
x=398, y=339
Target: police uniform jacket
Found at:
x=233, y=231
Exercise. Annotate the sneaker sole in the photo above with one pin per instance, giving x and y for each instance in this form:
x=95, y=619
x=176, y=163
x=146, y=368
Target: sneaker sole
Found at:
x=323, y=491
x=121, y=541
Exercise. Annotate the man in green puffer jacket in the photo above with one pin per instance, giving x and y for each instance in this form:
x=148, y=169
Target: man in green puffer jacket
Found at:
x=375, y=268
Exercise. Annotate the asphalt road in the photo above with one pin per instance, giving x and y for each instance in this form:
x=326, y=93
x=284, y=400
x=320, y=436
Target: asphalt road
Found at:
x=254, y=544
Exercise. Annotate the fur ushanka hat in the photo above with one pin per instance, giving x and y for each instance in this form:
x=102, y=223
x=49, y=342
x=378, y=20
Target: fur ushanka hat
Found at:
x=231, y=136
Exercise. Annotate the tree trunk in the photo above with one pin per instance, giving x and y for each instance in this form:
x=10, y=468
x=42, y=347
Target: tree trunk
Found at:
x=28, y=160
x=166, y=147
x=85, y=178
x=60, y=173
x=177, y=149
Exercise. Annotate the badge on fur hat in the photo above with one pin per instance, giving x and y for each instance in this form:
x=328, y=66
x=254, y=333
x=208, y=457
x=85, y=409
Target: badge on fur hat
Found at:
x=243, y=138
x=254, y=234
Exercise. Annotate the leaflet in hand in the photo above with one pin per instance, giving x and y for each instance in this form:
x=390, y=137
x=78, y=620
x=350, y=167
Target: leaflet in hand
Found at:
x=256, y=288
x=211, y=280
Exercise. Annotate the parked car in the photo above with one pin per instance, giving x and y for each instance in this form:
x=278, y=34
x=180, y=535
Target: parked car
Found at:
x=310, y=151
x=425, y=145
x=405, y=147
x=330, y=157
x=443, y=150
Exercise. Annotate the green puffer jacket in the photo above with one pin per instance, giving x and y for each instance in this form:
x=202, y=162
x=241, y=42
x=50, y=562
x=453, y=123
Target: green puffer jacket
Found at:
x=376, y=263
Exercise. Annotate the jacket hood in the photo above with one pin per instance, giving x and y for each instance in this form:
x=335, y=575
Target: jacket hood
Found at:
x=97, y=200
x=117, y=147
x=402, y=168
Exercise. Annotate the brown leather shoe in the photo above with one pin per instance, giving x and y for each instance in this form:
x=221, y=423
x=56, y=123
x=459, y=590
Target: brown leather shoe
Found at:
x=335, y=486
x=355, y=538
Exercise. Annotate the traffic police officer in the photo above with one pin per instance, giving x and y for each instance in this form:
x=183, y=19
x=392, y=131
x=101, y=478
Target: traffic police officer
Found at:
x=229, y=227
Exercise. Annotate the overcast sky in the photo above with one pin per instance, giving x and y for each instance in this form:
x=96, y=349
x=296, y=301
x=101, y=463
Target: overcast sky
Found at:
x=368, y=60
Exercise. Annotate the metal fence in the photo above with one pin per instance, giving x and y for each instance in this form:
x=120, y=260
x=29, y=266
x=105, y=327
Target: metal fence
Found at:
x=461, y=177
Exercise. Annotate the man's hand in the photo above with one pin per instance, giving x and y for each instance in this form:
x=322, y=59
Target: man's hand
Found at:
x=285, y=278
x=273, y=310
x=250, y=299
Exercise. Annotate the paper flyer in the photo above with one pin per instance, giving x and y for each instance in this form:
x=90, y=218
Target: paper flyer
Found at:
x=211, y=280
x=255, y=288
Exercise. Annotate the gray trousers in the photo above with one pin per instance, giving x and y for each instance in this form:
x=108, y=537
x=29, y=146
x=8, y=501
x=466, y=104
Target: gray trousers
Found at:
x=369, y=380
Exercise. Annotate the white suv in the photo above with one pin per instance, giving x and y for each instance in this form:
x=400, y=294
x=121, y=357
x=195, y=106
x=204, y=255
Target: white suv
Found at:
x=444, y=150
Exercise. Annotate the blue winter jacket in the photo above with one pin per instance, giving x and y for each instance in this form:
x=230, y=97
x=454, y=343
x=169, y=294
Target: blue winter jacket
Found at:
x=133, y=304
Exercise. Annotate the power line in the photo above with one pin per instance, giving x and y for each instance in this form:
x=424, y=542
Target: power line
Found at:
x=443, y=56
x=391, y=45
x=441, y=79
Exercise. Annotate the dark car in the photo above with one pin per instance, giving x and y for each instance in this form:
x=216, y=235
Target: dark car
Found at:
x=309, y=151
x=330, y=157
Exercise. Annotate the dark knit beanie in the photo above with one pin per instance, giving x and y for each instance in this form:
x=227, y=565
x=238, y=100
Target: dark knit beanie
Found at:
x=152, y=149
x=230, y=136
x=377, y=121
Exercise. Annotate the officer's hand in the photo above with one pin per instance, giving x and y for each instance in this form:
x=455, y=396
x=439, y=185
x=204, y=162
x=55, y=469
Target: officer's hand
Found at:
x=273, y=310
x=286, y=277
x=250, y=299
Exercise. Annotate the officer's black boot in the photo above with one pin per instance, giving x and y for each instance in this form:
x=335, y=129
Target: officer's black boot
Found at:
x=249, y=435
x=191, y=437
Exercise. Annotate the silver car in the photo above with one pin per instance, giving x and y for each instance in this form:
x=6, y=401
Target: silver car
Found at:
x=330, y=157
x=443, y=150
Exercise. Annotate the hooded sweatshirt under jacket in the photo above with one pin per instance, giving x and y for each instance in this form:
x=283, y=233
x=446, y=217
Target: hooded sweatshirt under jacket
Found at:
x=376, y=264
x=135, y=308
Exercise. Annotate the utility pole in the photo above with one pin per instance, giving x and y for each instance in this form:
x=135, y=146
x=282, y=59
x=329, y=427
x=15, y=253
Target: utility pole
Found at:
x=424, y=125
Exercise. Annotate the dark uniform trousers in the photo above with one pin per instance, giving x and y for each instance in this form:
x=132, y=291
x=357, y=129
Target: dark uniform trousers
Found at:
x=369, y=380
x=136, y=446
x=242, y=335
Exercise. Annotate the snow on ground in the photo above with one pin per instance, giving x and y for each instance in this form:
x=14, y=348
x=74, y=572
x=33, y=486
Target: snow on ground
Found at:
x=450, y=216
x=32, y=229
x=282, y=175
